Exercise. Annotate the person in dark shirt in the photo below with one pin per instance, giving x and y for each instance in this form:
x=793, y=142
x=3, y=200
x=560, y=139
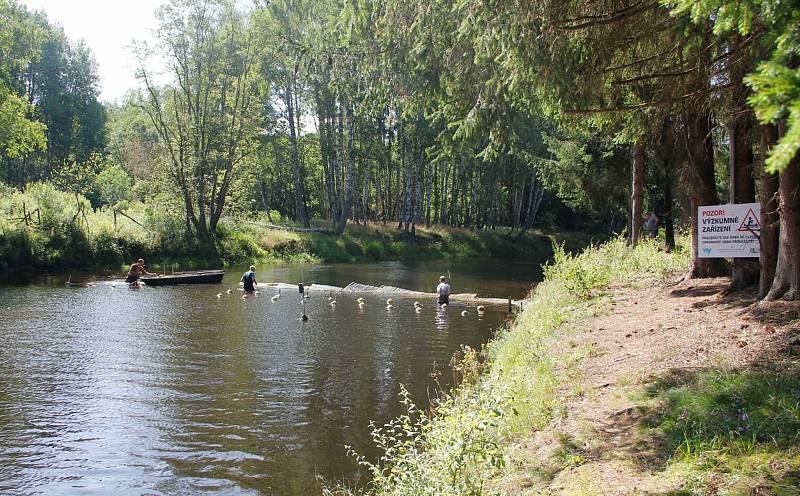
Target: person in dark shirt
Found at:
x=443, y=291
x=249, y=279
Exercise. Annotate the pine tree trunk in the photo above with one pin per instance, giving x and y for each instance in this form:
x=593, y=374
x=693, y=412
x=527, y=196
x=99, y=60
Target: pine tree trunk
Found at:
x=666, y=215
x=388, y=185
x=768, y=197
x=365, y=201
x=340, y=161
x=702, y=187
x=428, y=192
x=637, y=193
x=349, y=179
x=744, y=271
x=297, y=174
x=786, y=284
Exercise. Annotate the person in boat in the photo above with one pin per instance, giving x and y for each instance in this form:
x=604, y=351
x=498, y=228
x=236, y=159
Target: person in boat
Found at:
x=249, y=279
x=136, y=271
x=443, y=291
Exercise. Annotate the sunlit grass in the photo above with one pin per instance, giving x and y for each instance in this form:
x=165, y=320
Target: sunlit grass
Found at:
x=740, y=427
x=44, y=227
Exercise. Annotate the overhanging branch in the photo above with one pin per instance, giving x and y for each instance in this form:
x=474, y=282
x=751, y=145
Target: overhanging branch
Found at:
x=640, y=106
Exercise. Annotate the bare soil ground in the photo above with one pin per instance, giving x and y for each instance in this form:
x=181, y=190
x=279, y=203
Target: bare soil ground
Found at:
x=666, y=330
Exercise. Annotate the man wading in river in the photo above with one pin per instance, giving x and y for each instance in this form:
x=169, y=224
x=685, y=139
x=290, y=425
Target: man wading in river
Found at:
x=136, y=271
x=249, y=279
x=443, y=291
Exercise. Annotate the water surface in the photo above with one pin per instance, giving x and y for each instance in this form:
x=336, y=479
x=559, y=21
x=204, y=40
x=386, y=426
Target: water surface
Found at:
x=174, y=390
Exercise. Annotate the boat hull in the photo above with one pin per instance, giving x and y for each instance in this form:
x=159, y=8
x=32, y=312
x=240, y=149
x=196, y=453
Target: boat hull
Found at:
x=195, y=277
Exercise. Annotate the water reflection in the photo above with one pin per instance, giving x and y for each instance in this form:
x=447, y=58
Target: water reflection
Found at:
x=442, y=318
x=177, y=391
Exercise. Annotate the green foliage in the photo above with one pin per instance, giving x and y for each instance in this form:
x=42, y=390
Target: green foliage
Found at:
x=49, y=113
x=584, y=172
x=19, y=135
x=42, y=226
x=776, y=81
x=586, y=273
x=776, y=97
x=462, y=439
x=112, y=185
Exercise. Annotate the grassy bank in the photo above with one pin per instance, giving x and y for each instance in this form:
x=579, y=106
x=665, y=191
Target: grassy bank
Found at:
x=44, y=228
x=603, y=387
x=512, y=387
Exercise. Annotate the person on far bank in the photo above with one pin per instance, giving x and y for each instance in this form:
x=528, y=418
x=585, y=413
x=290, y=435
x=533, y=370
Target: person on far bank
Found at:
x=249, y=279
x=136, y=271
x=443, y=291
x=651, y=224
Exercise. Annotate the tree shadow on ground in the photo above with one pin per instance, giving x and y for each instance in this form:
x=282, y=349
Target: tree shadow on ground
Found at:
x=724, y=419
x=718, y=294
x=697, y=291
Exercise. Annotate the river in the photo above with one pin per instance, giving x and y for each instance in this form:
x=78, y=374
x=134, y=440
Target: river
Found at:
x=106, y=389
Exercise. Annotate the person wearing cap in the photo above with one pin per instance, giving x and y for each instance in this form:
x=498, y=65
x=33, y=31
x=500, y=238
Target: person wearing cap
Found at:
x=249, y=279
x=443, y=291
x=136, y=271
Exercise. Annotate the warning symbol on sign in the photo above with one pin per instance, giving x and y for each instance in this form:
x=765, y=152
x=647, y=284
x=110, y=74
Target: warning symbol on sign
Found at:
x=750, y=222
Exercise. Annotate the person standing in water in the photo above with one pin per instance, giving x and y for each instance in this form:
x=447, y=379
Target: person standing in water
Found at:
x=249, y=279
x=443, y=291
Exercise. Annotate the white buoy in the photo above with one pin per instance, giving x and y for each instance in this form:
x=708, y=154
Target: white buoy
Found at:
x=333, y=303
x=360, y=300
x=389, y=301
x=219, y=295
x=360, y=304
x=244, y=296
x=274, y=298
x=464, y=313
x=444, y=305
x=229, y=291
x=481, y=308
x=417, y=304
x=418, y=310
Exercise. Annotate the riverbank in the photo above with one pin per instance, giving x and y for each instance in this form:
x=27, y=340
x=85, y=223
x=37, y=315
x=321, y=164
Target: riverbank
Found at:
x=46, y=229
x=615, y=379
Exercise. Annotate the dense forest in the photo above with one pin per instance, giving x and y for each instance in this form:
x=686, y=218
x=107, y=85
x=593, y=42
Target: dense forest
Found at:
x=480, y=115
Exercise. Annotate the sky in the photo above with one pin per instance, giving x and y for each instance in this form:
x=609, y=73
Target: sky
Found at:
x=107, y=27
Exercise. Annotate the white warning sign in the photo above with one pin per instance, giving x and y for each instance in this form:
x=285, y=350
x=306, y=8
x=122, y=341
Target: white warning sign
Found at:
x=729, y=230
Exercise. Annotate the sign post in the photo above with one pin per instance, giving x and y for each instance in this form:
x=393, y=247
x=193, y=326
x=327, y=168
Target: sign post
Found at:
x=729, y=231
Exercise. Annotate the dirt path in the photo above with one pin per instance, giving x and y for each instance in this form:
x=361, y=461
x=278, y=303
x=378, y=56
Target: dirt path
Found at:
x=661, y=331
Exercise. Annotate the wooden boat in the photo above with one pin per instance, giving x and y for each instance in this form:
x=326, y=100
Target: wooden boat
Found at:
x=191, y=277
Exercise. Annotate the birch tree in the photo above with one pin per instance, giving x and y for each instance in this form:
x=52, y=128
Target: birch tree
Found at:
x=205, y=116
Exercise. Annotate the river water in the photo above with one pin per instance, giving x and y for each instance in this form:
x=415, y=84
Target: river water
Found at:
x=106, y=389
